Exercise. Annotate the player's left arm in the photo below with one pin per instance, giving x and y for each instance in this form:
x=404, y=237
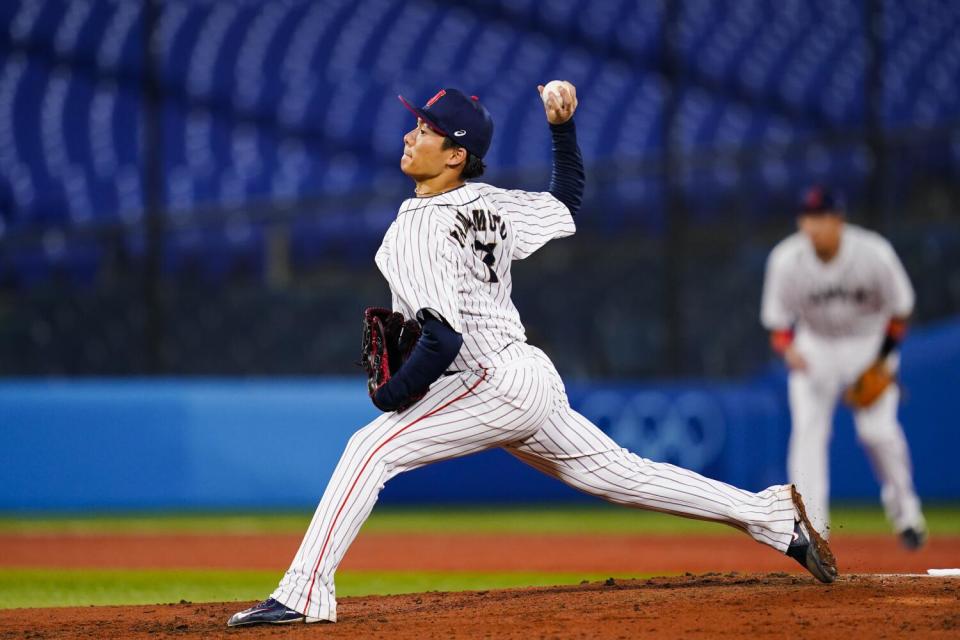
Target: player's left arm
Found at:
x=432, y=269
x=436, y=350
x=899, y=299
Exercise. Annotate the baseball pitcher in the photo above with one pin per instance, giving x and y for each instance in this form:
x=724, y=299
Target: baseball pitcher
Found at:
x=836, y=300
x=450, y=367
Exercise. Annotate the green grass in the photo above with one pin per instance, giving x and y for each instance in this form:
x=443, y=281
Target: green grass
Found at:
x=943, y=519
x=57, y=588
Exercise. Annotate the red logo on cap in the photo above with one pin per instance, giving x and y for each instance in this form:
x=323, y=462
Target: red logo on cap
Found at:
x=814, y=198
x=439, y=95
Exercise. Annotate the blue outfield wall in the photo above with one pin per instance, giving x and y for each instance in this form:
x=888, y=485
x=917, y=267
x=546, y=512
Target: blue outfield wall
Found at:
x=213, y=443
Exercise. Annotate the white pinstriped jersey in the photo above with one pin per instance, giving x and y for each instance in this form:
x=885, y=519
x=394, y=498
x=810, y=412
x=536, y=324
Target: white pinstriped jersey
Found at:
x=854, y=294
x=452, y=253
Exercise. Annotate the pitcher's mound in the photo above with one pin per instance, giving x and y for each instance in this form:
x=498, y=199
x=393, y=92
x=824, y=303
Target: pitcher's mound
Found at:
x=755, y=606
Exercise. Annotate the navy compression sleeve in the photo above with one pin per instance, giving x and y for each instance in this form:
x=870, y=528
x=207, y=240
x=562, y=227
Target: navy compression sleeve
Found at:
x=434, y=352
x=568, y=178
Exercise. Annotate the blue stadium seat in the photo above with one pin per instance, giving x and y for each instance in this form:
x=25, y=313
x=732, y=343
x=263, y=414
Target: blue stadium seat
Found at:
x=296, y=99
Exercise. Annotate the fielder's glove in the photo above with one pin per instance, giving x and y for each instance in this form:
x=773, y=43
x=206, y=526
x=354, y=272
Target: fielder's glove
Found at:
x=869, y=386
x=388, y=340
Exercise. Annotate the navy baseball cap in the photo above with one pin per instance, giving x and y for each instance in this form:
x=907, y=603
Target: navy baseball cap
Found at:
x=460, y=117
x=818, y=200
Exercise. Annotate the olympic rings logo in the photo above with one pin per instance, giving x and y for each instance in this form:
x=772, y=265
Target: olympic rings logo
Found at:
x=688, y=429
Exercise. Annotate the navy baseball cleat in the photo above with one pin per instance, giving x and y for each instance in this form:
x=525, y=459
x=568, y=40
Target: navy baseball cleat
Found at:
x=268, y=612
x=913, y=538
x=808, y=548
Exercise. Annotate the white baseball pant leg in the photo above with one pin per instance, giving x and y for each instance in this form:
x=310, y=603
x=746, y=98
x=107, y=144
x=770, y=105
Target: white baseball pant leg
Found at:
x=572, y=449
x=882, y=437
x=812, y=404
x=461, y=414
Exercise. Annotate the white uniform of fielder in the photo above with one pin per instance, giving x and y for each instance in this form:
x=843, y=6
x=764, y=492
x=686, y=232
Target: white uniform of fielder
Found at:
x=840, y=310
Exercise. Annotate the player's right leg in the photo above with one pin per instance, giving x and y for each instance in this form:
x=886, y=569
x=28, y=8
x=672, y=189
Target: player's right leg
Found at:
x=460, y=414
x=572, y=449
x=812, y=404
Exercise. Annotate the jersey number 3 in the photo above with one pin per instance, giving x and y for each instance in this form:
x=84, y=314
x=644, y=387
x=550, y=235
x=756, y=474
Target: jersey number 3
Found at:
x=486, y=251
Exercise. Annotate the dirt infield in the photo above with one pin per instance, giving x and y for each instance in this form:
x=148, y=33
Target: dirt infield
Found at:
x=707, y=606
x=777, y=599
x=617, y=554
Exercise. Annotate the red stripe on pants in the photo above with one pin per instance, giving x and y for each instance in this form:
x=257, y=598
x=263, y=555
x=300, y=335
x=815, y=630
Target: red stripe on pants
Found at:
x=363, y=468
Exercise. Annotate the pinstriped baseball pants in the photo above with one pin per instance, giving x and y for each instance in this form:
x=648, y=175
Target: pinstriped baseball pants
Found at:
x=521, y=406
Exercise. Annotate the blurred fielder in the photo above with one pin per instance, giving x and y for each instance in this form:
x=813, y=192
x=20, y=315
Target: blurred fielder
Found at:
x=836, y=299
x=450, y=366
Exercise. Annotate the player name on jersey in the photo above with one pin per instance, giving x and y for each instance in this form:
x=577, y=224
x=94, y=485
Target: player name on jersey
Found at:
x=479, y=219
x=452, y=252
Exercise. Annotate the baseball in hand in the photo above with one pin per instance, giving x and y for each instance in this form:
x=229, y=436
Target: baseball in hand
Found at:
x=552, y=89
x=559, y=100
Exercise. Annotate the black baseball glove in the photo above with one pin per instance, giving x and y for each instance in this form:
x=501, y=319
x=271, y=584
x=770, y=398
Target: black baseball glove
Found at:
x=388, y=340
